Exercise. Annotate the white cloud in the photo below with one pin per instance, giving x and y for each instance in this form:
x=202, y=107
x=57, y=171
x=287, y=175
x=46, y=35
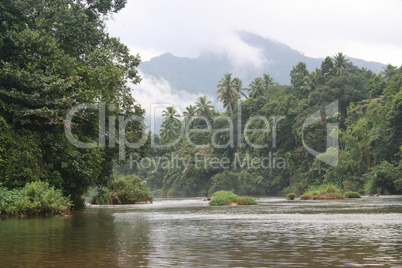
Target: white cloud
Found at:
x=155, y=95
x=185, y=28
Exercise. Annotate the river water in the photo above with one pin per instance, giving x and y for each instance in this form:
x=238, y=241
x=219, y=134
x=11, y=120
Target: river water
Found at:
x=364, y=232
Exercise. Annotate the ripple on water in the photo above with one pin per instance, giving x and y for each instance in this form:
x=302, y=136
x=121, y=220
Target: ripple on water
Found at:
x=189, y=233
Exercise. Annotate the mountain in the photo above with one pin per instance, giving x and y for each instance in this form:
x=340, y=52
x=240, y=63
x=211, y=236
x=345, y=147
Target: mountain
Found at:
x=203, y=73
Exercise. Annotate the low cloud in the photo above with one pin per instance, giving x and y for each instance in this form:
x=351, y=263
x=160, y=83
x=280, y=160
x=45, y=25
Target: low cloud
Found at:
x=156, y=94
x=241, y=54
x=185, y=28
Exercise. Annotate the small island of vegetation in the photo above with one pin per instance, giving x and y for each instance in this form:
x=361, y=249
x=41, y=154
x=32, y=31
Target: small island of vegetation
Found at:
x=222, y=198
x=328, y=192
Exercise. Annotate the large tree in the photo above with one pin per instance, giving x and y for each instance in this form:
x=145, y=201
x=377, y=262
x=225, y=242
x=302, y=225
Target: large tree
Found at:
x=341, y=62
x=55, y=55
x=297, y=75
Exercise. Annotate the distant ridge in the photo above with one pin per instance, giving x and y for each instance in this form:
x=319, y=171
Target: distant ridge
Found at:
x=203, y=73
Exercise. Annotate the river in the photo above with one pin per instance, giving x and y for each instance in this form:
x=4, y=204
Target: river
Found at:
x=364, y=232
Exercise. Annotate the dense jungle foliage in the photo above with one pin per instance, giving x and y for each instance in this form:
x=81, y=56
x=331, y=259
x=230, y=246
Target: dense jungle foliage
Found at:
x=55, y=55
x=207, y=156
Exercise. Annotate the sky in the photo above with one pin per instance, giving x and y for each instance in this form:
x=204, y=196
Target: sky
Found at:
x=365, y=29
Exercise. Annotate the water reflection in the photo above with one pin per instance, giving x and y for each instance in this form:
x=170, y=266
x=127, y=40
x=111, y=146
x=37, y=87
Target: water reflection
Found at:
x=189, y=233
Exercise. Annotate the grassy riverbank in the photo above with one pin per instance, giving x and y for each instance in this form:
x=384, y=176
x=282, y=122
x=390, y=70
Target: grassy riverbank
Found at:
x=35, y=198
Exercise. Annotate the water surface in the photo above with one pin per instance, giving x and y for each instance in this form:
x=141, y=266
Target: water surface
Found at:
x=363, y=232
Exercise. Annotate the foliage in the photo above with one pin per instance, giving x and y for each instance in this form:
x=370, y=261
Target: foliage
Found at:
x=54, y=56
x=297, y=75
x=35, y=198
x=222, y=198
x=323, y=192
x=350, y=194
x=270, y=125
x=230, y=91
x=384, y=179
x=246, y=200
x=291, y=196
x=127, y=190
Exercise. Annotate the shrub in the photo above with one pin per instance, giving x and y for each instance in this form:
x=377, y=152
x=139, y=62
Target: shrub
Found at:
x=291, y=196
x=127, y=190
x=36, y=198
x=222, y=198
x=351, y=194
x=323, y=192
x=246, y=200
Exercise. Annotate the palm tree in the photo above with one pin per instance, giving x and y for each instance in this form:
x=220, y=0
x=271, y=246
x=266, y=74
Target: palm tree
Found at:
x=189, y=113
x=238, y=84
x=268, y=81
x=311, y=82
x=171, y=114
x=257, y=88
x=171, y=123
x=203, y=107
x=230, y=91
x=388, y=72
x=260, y=86
x=341, y=62
x=169, y=130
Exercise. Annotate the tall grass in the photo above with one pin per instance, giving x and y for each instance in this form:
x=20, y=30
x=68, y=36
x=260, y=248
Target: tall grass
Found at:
x=35, y=198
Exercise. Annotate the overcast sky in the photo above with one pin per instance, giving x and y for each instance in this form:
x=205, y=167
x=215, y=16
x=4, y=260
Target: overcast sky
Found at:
x=365, y=29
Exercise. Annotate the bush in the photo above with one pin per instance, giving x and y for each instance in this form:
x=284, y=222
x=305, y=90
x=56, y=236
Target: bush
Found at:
x=127, y=190
x=323, y=192
x=222, y=198
x=36, y=198
x=291, y=196
x=246, y=200
x=351, y=194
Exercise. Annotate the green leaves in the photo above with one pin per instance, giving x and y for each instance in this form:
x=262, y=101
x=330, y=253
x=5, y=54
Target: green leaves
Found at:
x=53, y=56
x=229, y=91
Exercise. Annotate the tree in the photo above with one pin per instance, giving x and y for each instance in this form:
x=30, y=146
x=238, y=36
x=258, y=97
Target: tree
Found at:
x=341, y=62
x=53, y=56
x=326, y=67
x=171, y=114
x=169, y=130
x=257, y=88
x=260, y=86
x=229, y=91
x=297, y=75
x=311, y=82
x=189, y=113
x=204, y=107
x=389, y=72
x=268, y=81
